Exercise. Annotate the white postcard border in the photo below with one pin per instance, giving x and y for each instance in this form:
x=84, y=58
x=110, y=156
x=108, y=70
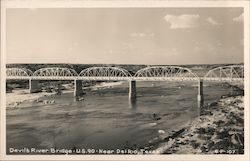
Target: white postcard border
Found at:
x=122, y=4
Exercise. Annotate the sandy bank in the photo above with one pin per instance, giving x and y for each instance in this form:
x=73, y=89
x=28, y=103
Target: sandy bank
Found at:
x=17, y=97
x=105, y=85
x=219, y=130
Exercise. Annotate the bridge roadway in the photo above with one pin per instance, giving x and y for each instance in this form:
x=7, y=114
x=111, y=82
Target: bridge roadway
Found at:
x=233, y=73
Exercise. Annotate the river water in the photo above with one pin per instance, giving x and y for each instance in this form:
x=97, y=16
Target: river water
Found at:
x=106, y=119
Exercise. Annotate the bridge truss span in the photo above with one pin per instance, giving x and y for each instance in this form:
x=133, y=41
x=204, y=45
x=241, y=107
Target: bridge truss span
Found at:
x=55, y=73
x=165, y=73
x=153, y=73
x=104, y=73
x=18, y=73
x=226, y=73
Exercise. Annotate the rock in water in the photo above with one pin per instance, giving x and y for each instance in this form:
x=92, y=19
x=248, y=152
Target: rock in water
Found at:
x=161, y=131
x=152, y=124
x=52, y=101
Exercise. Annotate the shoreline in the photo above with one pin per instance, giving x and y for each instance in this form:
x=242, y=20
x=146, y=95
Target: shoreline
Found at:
x=19, y=96
x=218, y=130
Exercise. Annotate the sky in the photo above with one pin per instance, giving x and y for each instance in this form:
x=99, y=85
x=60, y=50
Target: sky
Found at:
x=163, y=36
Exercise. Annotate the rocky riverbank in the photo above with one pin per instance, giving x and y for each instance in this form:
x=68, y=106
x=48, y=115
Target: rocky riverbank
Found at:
x=218, y=130
x=17, y=97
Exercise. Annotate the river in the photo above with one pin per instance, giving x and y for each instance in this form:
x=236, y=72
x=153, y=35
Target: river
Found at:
x=106, y=119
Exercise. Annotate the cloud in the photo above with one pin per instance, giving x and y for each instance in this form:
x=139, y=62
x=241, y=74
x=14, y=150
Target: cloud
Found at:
x=212, y=21
x=189, y=21
x=239, y=18
x=142, y=34
x=182, y=21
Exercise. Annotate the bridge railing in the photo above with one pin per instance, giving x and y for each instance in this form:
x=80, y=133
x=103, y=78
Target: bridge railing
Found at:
x=154, y=73
x=18, y=73
x=55, y=72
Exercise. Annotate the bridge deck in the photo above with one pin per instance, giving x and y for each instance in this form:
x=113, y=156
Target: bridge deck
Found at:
x=127, y=78
x=233, y=73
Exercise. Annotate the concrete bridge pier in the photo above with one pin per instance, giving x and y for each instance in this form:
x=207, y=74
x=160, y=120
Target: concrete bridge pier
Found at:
x=78, y=88
x=200, y=98
x=33, y=86
x=132, y=89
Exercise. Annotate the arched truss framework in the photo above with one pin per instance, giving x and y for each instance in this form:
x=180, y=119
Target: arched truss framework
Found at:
x=226, y=73
x=104, y=73
x=55, y=74
x=155, y=73
x=165, y=73
x=18, y=73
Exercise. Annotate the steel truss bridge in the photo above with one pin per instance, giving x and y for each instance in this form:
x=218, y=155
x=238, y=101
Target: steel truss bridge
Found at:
x=233, y=73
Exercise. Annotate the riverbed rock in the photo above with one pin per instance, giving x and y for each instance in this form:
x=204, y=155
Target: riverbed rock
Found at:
x=48, y=102
x=211, y=104
x=52, y=101
x=45, y=102
x=222, y=130
x=194, y=144
x=161, y=131
x=152, y=124
x=16, y=104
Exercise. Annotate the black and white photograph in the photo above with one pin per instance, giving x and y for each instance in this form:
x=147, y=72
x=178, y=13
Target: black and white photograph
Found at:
x=125, y=81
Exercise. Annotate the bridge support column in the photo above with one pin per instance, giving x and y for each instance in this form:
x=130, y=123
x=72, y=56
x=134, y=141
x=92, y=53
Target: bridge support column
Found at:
x=78, y=88
x=200, y=98
x=33, y=86
x=132, y=89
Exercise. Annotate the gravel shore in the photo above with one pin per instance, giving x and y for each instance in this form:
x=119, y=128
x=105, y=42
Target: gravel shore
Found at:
x=218, y=130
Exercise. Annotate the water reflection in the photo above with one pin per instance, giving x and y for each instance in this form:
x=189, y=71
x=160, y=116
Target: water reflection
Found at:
x=132, y=103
